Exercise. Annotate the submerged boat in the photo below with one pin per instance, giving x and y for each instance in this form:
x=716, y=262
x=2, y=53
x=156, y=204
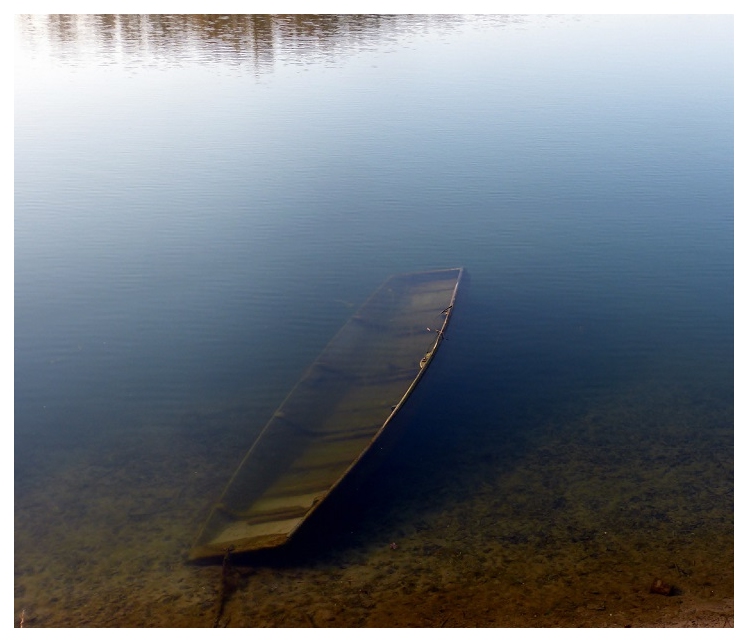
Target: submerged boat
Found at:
x=334, y=414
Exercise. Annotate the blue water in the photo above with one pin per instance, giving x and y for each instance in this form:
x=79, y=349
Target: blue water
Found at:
x=197, y=214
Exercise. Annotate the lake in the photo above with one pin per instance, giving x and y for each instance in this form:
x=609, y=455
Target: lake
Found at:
x=201, y=202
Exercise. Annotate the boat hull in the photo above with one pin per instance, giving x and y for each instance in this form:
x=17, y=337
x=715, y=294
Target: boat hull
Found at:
x=333, y=416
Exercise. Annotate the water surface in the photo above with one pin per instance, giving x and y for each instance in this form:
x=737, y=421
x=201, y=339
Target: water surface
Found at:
x=200, y=204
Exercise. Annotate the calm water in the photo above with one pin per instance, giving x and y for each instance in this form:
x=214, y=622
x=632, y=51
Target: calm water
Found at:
x=200, y=203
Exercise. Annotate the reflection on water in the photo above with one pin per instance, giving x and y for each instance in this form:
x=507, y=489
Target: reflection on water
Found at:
x=252, y=41
x=201, y=202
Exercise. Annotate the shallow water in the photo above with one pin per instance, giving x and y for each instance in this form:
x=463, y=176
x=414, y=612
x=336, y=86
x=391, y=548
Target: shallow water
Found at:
x=201, y=203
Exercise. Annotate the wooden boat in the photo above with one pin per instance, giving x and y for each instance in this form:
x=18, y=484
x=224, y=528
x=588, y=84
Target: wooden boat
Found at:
x=333, y=415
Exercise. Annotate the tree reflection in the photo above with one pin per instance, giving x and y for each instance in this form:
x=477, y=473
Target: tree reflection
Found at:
x=256, y=41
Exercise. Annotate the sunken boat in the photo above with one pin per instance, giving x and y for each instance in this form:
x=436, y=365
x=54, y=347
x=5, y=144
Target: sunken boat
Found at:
x=333, y=416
